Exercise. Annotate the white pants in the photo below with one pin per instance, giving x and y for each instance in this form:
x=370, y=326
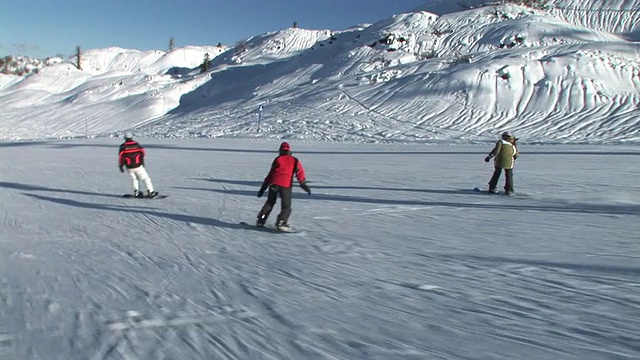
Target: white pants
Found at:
x=140, y=174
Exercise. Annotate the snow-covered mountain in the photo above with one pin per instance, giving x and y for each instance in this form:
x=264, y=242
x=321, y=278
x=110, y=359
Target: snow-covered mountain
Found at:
x=615, y=16
x=445, y=72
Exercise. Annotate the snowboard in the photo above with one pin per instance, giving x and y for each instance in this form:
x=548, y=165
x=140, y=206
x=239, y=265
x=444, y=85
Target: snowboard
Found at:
x=269, y=228
x=145, y=197
x=482, y=191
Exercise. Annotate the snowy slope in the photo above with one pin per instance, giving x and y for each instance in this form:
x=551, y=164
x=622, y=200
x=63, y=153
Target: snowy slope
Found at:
x=614, y=16
x=116, y=89
x=419, y=77
x=397, y=259
x=447, y=72
x=271, y=47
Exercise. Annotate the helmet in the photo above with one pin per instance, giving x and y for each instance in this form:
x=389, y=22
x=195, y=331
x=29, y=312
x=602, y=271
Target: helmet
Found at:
x=128, y=135
x=285, y=146
x=507, y=135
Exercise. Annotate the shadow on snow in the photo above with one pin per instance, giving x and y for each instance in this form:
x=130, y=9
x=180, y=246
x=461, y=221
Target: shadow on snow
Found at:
x=564, y=208
x=257, y=185
x=152, y=212
x=28, y=187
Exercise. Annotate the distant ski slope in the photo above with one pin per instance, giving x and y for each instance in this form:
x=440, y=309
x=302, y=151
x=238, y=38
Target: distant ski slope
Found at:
x=451, y=73
x=614, y=16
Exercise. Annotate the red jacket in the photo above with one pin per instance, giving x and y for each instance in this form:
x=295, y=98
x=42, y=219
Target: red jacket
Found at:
x=131, y=154
x=282, y=171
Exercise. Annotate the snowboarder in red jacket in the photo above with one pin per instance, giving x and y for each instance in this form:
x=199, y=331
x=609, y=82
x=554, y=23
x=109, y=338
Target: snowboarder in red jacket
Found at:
x=131, y=156
x=279, y=181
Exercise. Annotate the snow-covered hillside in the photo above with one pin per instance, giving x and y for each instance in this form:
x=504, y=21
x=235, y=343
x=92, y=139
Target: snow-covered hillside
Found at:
x=116, y=89
x=616, y=16
x=445, y=72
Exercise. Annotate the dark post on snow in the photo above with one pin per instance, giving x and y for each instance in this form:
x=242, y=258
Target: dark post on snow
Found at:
x=260, y=109
x=78, y=55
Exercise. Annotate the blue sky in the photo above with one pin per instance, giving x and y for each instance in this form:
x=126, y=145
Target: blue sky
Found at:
x=42, y=28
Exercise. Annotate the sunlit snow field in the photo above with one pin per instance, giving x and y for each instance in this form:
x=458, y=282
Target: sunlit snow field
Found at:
x=396, y=258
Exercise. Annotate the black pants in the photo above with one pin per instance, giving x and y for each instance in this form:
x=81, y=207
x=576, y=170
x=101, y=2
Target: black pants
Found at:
x=285, y=203
x=508, y=184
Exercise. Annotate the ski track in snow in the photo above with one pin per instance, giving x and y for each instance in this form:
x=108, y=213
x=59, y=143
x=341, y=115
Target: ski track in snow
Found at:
x=398, y=258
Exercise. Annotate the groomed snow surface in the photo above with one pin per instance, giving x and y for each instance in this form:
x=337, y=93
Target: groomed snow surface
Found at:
x=397, y=257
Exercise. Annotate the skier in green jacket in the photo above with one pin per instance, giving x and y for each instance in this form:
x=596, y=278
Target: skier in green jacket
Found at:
x=505, y=153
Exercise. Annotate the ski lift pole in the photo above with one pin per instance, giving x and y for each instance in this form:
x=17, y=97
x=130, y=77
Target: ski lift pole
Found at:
x=260, y=116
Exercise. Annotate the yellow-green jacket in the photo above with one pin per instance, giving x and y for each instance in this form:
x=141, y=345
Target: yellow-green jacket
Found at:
x=504, y=154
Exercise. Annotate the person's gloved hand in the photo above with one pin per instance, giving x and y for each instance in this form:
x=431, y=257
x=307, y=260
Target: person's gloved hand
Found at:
x=262, y=190
x=487, y=159
x=305, y=187
x=121, y=168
